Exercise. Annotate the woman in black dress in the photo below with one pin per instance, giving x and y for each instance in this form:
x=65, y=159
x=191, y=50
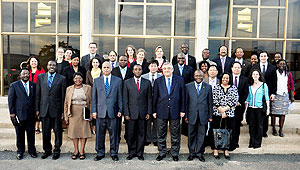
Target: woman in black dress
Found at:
x=75, y=67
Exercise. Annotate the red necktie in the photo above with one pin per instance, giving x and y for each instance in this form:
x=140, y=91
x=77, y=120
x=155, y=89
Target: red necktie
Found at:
x=138, y=84
x=185, y=61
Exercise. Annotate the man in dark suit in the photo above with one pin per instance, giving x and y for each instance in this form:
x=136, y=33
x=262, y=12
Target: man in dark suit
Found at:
x=241, y=82
x=21, y=99
x=85, y=60
x=223, y=61
x=49, y=106
x=189, y=60
x=106, y=108
x=137, y=97
x=246, y=66
x=186, y=72
x=168, y=106
x=199, y=111
x=269, y=73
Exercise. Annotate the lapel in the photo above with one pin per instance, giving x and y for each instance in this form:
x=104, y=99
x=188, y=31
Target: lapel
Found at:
x=164, y=84
x=173, y=84
x=142, y=85
x=101, y=84
x=30, y=89
x=176, y=70
x=133, y=84
x=241, y=80
x=218, y=61
x=23, y=88
x=185, y=68
x=54, y=81
x=110, y=85
x=127, y=73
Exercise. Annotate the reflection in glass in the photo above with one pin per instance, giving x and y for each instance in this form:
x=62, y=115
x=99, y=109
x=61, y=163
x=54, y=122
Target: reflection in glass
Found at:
x=272, y=23
x=42, y=17
x=213, y=46
x=105, y=44
x=293, y=26
x=130, y=19
x=14, y=17
x=219, y=18
x=104, y=19
x=258, y=46
x=69, y=16
x=148, y=44
x=185, y=17
x=273, y=2
x=158, y=20
x=70, y=42
x=18, y=48
x=190, y=42
x=244, y=22
x=161, y=1
x=131, y=0
x=245, y=2
x=293, y=60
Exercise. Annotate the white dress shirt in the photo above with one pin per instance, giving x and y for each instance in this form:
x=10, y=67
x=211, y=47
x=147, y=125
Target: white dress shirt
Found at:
x=186, y=59
x=238, y=79
x=212, y=82
x=196, y=85
x=123, y=71
x=262, y=67
x=109, y=78
x=27, y=85
x=282, y=83
x=239, y=60
x=135, y=79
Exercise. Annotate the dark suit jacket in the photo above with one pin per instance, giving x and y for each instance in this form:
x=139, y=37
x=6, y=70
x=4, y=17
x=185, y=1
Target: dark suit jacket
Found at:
x=145, y=67
x=246, y=68
x=111, y=103
x=187, y=73
x=85, y=60
x=50, y=100
x=243, y=89
x=191, y=62
x=68, y=73
x=165, y=104
x=116, y=72
x=199, y=106
x=18, y=101
x=228, y=63
x=137, y=103
x=270, y=77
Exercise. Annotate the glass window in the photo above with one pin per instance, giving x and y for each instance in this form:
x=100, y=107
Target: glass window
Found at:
x=272, y=23
x=131, y=19
x=158, y=20
x=69, y=16
x=273, y=2
x=245, y=2
x=70, y=42
x=161, y=1
x=213, y=46
x=104, y=17
x=130, y=0
x=105, y=44
x=185, y=17
x=244, y=22
x=14, y=17
x=219, y=18
x=190, y=42
x=293, y=26
x=42, y=17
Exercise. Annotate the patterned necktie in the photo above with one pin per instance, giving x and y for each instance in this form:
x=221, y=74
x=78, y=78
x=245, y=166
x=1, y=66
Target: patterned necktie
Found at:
x=50, y=81
x=138, y=84
x=106, y=85
x=223, y=64
x=26, y=89
x=112, y=65
x=264, y=70
x=169, y=86
x=198, y=89
x=236, y=81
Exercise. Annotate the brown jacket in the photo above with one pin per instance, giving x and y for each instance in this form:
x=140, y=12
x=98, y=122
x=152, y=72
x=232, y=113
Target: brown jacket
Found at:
x=69, y=93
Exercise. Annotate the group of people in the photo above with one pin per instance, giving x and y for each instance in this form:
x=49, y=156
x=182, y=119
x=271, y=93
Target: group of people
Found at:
x=94, y=94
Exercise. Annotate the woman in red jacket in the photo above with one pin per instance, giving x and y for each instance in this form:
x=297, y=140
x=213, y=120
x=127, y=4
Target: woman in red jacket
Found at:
x=33, y=64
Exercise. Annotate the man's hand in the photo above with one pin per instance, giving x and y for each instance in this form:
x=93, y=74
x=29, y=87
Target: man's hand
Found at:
x=12, y=115
x=147, y=117
x=182, y=114
x=127, y=118
x=154, y=115
x=186, y=120
x=119, y=114
x=94, y=115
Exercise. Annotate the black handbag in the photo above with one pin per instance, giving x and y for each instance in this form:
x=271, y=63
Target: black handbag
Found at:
x=222, y=137
x=264, y=109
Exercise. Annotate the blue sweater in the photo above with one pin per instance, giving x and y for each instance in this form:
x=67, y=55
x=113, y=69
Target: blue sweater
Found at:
x=258, y=96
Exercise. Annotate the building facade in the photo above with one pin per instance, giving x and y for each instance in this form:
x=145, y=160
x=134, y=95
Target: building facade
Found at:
x=38, y=27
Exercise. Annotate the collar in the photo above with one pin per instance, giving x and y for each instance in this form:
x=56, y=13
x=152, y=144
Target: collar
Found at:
x=141, y=63
x=135, y=79
x=53, y=75
x=109, y=77
x=125, y=68
x=180, y=66
x=261, y=65
x=27, y=83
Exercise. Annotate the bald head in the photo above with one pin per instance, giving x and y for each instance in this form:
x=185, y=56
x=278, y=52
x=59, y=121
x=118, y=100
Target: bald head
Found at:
x=106, y=68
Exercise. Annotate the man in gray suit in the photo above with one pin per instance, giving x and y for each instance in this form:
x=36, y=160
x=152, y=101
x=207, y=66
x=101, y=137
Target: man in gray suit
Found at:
x=151, y=124
x=199, y=111
x=106, y=108
x=85, y=60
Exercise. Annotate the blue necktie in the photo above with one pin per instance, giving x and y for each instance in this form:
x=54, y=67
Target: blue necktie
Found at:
x=169, y=86
x=26, y=89
x=50, y=81
x=198, y=89
x=106, y=85
x=181, y=70
x=112, y=65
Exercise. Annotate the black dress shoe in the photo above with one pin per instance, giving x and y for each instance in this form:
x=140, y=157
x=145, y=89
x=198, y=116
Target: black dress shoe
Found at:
x=175, y=158
x=33, y=155
x=159, y=158
x=190, y=158
x=265, y=135
x=250, y=146
x=97, y=158
x=55, y=156
x=201, y=158
x=141, y=158
x=216, y=156
x=227, y=157
x=129, y=157
x=155, y=143
x=19, y=156
x=147, y=143
x=115, y=158
x=274, y=133
x=281, y=134
x=45, y=155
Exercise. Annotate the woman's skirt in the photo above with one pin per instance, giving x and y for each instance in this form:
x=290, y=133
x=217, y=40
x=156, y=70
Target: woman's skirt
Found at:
x=280, y=105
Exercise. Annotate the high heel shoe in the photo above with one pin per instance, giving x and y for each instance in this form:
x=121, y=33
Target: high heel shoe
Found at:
x=227, y=157
x=216, y=156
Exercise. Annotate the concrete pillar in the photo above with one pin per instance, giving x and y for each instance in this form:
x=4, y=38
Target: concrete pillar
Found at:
x=202, y=23
x=86, y=15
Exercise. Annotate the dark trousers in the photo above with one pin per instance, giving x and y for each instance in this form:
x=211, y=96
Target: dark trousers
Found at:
x=196, y=137
x=265, y=124
x=256, y=118
x=236, y=131
x=49, y=123
x=112, y=126
x=27, y=126
x=227, y=123
x=151, y=132
x=136, y=136
x=162, y=130
x=184, y=127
